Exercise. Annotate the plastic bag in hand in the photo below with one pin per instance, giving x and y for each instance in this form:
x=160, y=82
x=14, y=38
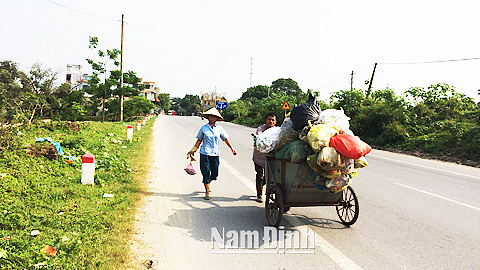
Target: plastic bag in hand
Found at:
x=190, y=170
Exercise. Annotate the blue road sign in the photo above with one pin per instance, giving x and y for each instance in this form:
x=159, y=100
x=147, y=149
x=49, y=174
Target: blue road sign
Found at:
x=220, y=105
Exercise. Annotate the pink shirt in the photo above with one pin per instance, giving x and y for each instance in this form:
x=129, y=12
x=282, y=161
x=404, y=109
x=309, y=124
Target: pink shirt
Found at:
x=257, y=157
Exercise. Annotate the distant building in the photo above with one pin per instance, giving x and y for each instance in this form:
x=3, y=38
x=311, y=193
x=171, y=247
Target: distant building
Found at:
x=208, y=101
x=74, y=73
x=151, y=91
x=85, y=79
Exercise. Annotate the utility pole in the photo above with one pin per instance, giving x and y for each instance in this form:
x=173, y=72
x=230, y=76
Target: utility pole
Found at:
x=104, y=92
x=121, y=76
x=351, y=82
x=251, y=67
x=371, y=80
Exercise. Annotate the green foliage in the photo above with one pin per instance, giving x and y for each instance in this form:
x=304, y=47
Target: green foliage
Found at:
x=440, y=121
x=236, y=109
x=348, y=100
x=257, y=92
x=36, y=193
x=133, y=108
x=253, y=114
x=164, y=101
x=186, y=105
x=287, y=86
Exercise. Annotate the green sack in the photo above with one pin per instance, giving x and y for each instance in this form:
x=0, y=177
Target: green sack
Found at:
x=295, y=151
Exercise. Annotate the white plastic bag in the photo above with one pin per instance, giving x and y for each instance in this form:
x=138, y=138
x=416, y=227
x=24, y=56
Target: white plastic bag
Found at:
x=266, y=141
x=335, y=118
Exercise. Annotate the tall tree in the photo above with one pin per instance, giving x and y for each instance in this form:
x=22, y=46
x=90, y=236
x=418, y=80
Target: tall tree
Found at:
x=190, y=104
x=287, y=86
x=164, y=101
x=100, y=68
x=257, y=92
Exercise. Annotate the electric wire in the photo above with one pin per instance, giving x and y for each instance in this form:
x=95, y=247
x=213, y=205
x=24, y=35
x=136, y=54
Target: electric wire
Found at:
x=193, y=43
x=431, y=62
x=85, y=13
x=265, y=61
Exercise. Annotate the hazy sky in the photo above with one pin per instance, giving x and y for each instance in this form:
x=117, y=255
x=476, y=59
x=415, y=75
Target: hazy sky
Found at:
x=190, y=47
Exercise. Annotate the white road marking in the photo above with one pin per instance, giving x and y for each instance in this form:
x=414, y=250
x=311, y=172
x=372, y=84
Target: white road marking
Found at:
x=439, y=196
x=240, y=176
x=336, y=255
x=423, y=166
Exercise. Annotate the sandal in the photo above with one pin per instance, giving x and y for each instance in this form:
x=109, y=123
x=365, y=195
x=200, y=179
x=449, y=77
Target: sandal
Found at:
x=206, y=198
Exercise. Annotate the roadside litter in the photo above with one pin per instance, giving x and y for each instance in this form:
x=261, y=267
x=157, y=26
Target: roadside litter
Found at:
x=57, y=146
x=323, y=139
x=49, y=250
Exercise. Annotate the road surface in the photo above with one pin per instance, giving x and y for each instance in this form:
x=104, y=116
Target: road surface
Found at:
x=414, y=213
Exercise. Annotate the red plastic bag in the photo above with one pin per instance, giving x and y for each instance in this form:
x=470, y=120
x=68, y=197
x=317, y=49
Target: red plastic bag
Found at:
x=350, y=146
x=190, y=170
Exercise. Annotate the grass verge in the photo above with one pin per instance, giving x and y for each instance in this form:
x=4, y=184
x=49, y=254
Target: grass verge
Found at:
x=41, y=191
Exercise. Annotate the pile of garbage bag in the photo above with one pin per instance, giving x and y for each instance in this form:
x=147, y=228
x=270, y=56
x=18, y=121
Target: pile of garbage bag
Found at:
x=323, y=139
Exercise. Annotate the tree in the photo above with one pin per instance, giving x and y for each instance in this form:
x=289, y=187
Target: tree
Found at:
x=131, y=83
x=191, y=104
x=25, y=95
x=257, y=92
x=164, y=101
x=101, y=68
x=287, y=86
x=10, y=89
x=348, y=100
x=134, y=107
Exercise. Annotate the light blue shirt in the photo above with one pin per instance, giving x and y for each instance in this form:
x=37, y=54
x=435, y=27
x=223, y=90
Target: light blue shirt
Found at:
x=210, y=138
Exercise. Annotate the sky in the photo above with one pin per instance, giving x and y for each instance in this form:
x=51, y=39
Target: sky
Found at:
x=194, y=47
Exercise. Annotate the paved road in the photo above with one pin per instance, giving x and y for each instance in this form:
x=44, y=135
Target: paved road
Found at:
x=414, y=213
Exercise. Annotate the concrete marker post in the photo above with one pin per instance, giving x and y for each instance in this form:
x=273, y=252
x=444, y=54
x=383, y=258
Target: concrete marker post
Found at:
x=88, y=169
x=143, y=121
x=139, y=125
x=129, y=133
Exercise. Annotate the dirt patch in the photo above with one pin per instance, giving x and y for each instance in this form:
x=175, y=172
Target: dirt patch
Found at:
x=48, y=151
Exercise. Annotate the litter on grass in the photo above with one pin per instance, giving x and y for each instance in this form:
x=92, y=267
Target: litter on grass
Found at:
x=105, y=195
x=56, y=144
x=69, y=158
x=38, y=265
x=49, y=250
x=35, y=233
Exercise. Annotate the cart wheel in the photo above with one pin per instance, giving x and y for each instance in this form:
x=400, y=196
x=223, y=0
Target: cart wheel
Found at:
x=274, y=206
x=347, y=210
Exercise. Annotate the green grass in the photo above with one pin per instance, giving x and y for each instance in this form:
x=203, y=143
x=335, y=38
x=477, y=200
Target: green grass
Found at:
x=36, y=193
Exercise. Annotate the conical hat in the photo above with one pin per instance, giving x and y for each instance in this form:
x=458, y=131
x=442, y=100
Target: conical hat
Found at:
x=213, y=111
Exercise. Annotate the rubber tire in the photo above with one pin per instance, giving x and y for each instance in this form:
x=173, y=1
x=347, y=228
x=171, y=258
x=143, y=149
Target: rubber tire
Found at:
x=274, y=206
x=348, y=209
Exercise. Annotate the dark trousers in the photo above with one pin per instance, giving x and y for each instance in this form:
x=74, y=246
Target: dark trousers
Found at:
x=209, y=167
x=259, y=179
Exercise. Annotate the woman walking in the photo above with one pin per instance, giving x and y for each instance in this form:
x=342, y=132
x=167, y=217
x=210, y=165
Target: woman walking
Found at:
x=209, y=137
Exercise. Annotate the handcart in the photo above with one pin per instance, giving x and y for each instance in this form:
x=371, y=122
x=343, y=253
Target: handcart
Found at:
x=290, y=185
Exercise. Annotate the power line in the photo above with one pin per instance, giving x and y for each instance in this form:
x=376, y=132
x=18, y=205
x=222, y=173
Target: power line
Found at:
x=431, y=62
x=103, y=18
x=192, y=43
